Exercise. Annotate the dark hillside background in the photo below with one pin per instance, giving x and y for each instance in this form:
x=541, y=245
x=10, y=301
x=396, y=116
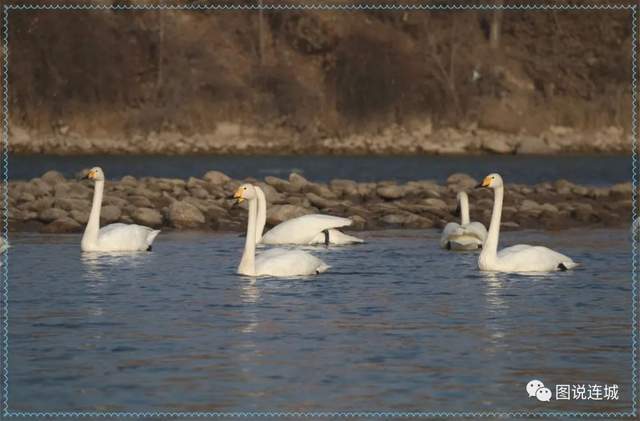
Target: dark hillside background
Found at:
x=309, y=75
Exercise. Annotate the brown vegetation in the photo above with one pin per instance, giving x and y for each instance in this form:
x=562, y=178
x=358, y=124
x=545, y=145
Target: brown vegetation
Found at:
x=312, y=75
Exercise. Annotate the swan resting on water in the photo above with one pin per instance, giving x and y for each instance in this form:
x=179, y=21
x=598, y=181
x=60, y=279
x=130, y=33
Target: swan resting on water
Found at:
x=466, y=235
x=273, y=262
x=113, y=237
x=306, y=229
x=519, y=258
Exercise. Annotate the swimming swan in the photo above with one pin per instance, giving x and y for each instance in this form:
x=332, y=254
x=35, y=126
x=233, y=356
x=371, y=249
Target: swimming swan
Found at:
x=466, y=235
x=274, y=262
x=306, y=229
x=113, y=237
x=520, y=258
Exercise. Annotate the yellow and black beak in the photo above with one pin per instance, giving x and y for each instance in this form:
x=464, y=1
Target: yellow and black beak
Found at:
x=238, y=196
x=485, y=183
x=91, y=175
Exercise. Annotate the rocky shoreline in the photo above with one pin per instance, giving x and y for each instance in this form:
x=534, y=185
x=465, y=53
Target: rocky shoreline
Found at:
x=420, y=137
x=53, y=204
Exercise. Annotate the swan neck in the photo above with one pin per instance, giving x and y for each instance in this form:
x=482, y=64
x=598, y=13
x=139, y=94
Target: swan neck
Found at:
x=464, y=209
x=93, y=225
x=490, y=247
x=262, y=214
x=247, y=263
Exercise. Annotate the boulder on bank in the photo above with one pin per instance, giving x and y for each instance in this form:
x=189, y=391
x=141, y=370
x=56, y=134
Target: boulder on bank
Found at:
x=185, y=215
x=147, y=217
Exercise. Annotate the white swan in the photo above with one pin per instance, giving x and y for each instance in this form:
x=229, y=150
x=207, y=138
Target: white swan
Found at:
x=520, y=258
x=466, y=235
x=274, y=262
x=113, y=237
x=4, y=245
x=306, y=229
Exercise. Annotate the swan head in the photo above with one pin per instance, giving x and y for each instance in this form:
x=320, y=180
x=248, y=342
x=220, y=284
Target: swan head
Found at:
x=492, y=181
x=95, y=174
x=245, y=192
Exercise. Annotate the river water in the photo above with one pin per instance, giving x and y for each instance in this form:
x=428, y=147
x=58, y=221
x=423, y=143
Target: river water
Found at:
x=581, y=169
x=397, y=324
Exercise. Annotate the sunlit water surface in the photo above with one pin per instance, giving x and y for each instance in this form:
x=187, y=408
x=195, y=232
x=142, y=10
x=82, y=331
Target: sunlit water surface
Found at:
x=396, y=325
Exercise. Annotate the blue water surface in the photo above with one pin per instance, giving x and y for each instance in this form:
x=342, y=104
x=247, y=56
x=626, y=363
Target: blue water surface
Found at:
x=397, y=324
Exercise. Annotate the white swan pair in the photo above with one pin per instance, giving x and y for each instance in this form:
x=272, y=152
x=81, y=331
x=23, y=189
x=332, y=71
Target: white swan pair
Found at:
x=273, y=262
x=114, y=237
x=519, y=258
x=306, y=229
x=466, y=235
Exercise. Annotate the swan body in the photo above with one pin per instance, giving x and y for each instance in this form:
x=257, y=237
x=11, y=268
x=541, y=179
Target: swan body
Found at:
x=113, y=237
x=306, y=229
x=466, y=235
x=274, y=262
x=278, y=262
x=519, y=258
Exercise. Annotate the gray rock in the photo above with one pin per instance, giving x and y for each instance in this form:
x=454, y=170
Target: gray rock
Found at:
x=624, y=189
x=147, y=217
x=61, y=225
x=185, y=215
x=109, y=214
x=580, y=190
x=199, y=193
x=320, y=202
x=140, y=201
x=52, y=177
x=27, y=197
x=71, y=204
x=279, y=213
x=270, y=193
x=215, y=177
x=129, y=180
x=39, y=188
x=51, y=214
x=461, y=182
x=297, y=181
x=79, y=191
x=344, y=187
x=280, y=185
x=391, y=192
x=41, y=204
x=80, y=216
x=435, y=204
x=321, y=190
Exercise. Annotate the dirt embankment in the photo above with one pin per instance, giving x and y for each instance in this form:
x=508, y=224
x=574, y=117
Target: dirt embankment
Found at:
x=319, y=81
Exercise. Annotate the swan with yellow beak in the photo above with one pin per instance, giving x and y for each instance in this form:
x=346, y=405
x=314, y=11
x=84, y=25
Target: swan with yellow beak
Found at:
x=519, y=258
x=273, y=262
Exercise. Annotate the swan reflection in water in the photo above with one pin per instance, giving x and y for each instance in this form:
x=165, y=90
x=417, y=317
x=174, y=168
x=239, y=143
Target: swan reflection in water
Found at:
x=99, y=271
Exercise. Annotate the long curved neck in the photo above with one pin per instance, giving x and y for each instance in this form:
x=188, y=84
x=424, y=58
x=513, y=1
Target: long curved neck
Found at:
x=93, y=226
x=262, y=214
x=490, y=247
x=464, y=208
x=247, y=263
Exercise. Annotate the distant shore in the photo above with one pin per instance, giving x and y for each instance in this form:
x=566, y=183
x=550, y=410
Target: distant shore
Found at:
x=232, y=138
x=53, y=204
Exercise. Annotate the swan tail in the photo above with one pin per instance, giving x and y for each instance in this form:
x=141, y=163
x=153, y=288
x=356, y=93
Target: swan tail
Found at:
x=151, y=236
x=322, y=268
x=566, y=265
